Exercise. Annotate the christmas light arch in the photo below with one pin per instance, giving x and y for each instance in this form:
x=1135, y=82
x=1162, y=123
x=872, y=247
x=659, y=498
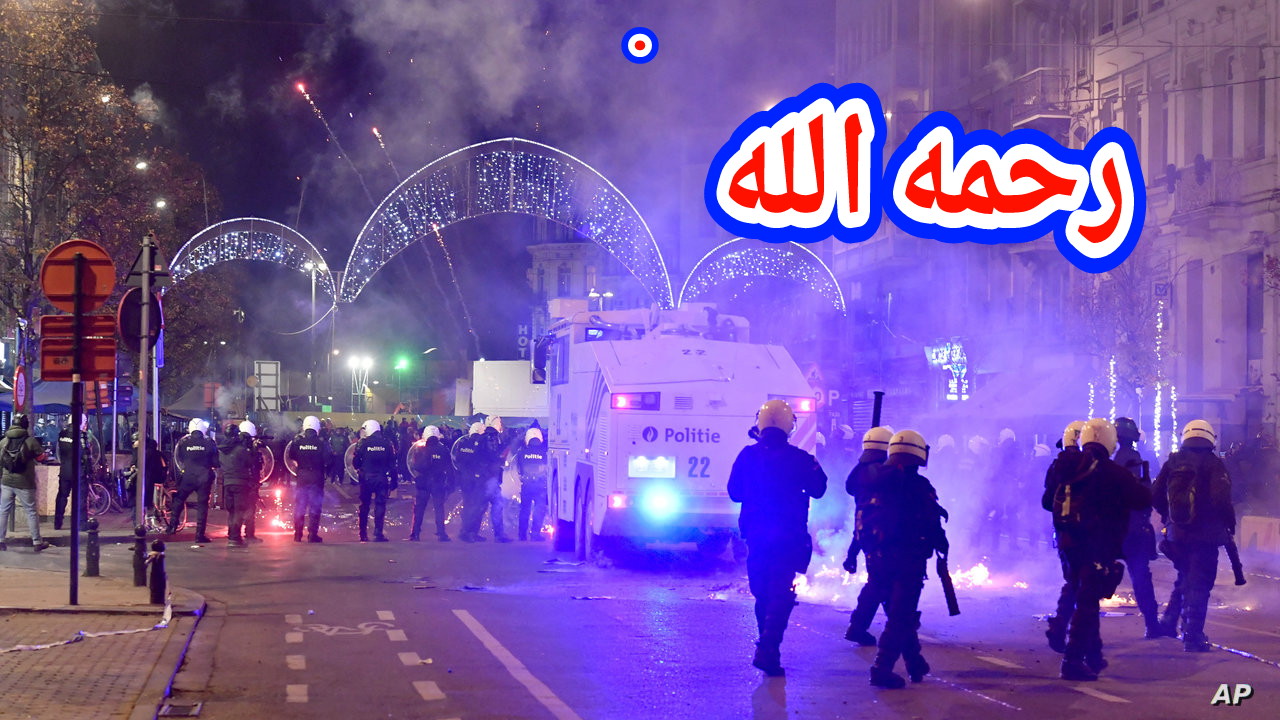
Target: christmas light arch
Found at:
x=510, y=175
x=746, y=259
x=252, y=239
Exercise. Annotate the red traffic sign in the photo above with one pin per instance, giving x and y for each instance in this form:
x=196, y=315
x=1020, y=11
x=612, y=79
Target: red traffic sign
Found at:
x=97, y=359
x=129, y=318
x=60, y=326
x=20, y=388
x=57, y=276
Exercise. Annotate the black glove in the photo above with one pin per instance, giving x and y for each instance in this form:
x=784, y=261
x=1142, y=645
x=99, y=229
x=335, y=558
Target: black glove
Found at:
x=851, y=563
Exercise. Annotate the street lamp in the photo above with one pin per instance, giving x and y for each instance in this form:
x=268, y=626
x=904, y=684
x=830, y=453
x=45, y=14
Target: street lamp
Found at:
x=360, y=366
x=402, y=363
x=310, y=267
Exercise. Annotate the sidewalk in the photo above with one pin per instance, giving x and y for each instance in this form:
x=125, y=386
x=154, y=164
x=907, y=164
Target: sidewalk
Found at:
x=110, y=656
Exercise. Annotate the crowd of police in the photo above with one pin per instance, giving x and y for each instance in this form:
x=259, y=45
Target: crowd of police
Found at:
x=1099, y=494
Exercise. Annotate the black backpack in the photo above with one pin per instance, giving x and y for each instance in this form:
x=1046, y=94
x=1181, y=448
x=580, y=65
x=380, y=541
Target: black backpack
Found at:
x=1182, y=491
x=14, y=457
x=1072, y=507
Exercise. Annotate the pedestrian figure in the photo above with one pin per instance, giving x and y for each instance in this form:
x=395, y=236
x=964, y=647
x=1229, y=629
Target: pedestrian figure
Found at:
x=531, y=463
x=196, y=457
x=1140, y=540
x=1091, y=511
x=375, y=461
x=66, y=474
x=311, y=456
x=19, y=454
x=875, y=450
x=1193, y=496
x=901, y=529
x=1069, y=463
x=774, y=481
x=468, y=458
x=241, y=467
x=432, y=472
x=493, y=457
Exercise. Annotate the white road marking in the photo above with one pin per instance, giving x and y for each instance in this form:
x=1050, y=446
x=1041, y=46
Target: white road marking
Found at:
x=410, y=659
x=293, y=619
x=999, y=662
x=540, y=691
x=295, y=693
x=386, y=615
x=396, y=636
x=428, y=690
x=296, y=662
x=1097, y=694
x=293, y=637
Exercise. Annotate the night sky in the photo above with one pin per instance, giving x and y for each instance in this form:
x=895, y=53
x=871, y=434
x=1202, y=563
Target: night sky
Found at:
x=219, y=79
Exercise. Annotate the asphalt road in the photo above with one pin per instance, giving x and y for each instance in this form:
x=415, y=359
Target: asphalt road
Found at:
x=432, y=630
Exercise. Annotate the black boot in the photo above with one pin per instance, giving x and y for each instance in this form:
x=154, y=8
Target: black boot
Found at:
x=768, y=658
x=1057, y=637
x=885, y=677
x=917, y=667
x=862, y=637
x=1076, y=670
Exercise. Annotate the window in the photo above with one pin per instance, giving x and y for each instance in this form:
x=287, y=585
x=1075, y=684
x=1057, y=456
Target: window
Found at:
x=1106, y=16
x=1193, y=113
x=1132, y=108
x=1128, y=11
x=562, y=280
x=542, y=281
x=1224, y=110
x=589, y=275
x=1255, y=106
x=1158, y=143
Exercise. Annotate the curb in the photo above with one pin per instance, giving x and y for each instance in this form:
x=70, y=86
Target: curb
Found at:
x=160, y=683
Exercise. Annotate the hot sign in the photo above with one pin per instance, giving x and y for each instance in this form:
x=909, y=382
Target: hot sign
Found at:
x=809, y=168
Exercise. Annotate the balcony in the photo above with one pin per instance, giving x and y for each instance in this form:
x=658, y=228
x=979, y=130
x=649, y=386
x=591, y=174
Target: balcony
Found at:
x=1206, y=184
x=1039, y=101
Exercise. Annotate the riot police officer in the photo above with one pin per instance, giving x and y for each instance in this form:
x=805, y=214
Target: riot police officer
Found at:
x=468, y=455
x=311, y=455
x=1140, y=540
x=901, y=528
x=774, y=481
x=1193, y=496
x=241, y=470
x=531, y=463
x=196, y=456
x=875, y=450
x=493, y=457
x=66, y=474
x=375, y=459
x=432, y=472
x=1069, y=463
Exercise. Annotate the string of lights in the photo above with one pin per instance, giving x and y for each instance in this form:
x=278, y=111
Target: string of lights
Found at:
x=1091, y=394
x=510, y=175
x=251, y=239
x=1159, y=395
x=744, y=259
x=1173, y=418
x=1111, y=387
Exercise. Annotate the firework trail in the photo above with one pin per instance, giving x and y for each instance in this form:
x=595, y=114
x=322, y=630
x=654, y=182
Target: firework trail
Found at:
x=386, y=154
x=471, y=328
x=435, y=278
x=334, y=138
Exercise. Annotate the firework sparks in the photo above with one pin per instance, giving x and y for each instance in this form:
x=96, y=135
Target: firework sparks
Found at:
x=471, y=328
x=386, y=154
x=334, y=139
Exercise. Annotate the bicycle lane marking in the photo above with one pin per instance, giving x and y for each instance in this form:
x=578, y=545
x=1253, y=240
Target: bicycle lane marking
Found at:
x=536, y=687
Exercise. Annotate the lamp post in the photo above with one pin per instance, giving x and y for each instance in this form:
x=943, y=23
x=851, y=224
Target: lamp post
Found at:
x=360, y=367
x=310, y=267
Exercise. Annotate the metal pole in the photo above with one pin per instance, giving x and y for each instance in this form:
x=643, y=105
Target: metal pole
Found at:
x=875, y=409
x=115, y=400
x=311, y=335
x=77, y=412
x=144, y=367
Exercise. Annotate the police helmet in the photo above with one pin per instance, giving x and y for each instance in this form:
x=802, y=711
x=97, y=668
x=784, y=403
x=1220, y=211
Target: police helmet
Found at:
x=877, y=438
x=909, y=442
x=370, y=427
x=476, y=428
x=21, y=420
x=311, y=422
x=776, y=414
x=430, y=431
x=249, y=428
x=494, y=421
x=1007, y=434
x=946, y=441
x=532, y=434
x=1127, y=429
x=846, y=433
x=196, y=425
x=1041, y=450
x=1101, y=431
x=978, y=445
x=1071, y=435
x=1201, y=430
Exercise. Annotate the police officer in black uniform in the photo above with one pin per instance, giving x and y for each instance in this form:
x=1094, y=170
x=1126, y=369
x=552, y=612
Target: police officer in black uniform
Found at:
x=311, y=455
x=66, y=474
x=468, y=455
x=197, y=456
x=774, y=480
x=901, y=527
x=875, y=450
x=1140, y=540
x=241, y=469
x=1193, y=496
x=494, y=455
x=432, y=471
x=375, y=459
x=1069, y=463
x=531, y=464
x=1091, y=516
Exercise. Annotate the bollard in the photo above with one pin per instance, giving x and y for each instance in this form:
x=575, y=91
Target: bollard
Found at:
x=93, y=550
x=139, y=557
x=158, y=579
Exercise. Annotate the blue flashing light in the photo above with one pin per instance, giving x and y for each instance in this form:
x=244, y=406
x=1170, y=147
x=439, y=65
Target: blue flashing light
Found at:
x=660, y=502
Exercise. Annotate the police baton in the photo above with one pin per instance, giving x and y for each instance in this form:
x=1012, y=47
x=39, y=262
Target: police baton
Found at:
x=1233, y=554
x=949, y=590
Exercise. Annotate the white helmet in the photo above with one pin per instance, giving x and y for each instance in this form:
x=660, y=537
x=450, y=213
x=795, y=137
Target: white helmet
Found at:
x=494, y=421
x=1101, y=431
x=846, y=432
x=249, y=428
x=430, y=431
x=370, y=427
x=776, y=413
x=311, y=422
x=1007, y=434
x=476, y=428
x=532, y=434
x=204, y=426
x=821, y=440
x=911, y=443
x=1041, y=450
x=946, y=441
x=196, y=425
x=1071, y=435
x=978, y=444
x=1200, y=429
x=877, y=438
